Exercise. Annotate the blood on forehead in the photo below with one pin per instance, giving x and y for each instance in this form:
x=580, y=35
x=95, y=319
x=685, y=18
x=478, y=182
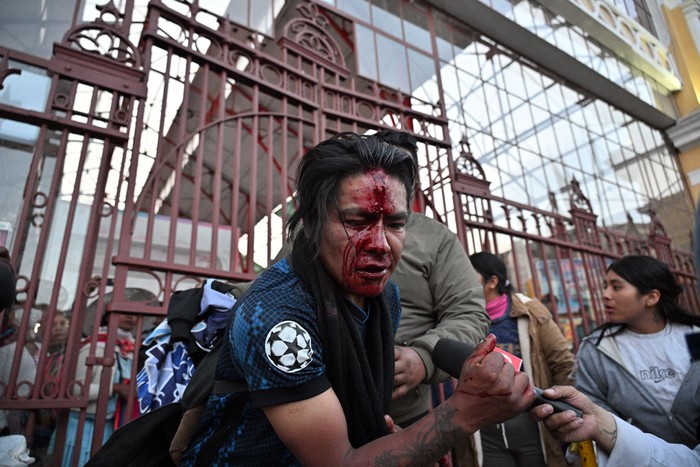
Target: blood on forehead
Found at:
x=378, y=200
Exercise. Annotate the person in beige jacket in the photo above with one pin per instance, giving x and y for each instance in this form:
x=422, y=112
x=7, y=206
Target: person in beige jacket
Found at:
x=523, y=327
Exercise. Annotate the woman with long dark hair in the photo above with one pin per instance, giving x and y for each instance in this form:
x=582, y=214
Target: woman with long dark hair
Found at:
x=637, y=365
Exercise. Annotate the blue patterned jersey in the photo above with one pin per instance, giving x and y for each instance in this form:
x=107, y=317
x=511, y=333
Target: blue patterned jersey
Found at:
x=275, y=348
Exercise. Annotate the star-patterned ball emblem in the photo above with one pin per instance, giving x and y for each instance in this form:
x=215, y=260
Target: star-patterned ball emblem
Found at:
x=288, y=347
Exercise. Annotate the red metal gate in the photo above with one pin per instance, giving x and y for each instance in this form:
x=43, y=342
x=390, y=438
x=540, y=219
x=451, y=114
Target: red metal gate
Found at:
x=172, y=162
x=558, y=258
x=65, y=230
x=162, y=164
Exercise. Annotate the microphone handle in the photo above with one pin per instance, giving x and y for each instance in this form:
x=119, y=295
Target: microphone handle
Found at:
x=559, y=406
x=449, y=355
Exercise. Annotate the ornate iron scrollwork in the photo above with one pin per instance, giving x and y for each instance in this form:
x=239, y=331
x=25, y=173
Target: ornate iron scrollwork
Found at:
x=578, y=199
x=310, y=33
x=6, y=71
x=466, y=164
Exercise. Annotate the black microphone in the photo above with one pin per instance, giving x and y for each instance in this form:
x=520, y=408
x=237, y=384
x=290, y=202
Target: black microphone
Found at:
x=449, y=355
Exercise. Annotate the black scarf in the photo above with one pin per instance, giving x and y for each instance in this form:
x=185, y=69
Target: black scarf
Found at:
x=361, y=373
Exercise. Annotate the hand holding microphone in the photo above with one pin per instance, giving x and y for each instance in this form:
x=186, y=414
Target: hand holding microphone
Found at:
x=489, y=390
x=450, y=355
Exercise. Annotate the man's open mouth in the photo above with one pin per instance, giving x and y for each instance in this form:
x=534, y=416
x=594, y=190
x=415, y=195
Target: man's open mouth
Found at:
x=373, y=270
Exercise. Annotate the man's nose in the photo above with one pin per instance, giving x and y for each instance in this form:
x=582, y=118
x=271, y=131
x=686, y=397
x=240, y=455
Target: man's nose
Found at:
x=377, y=238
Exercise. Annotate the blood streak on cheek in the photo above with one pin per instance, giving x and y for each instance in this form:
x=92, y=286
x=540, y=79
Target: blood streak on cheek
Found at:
x=349, y=256
x=355, y=245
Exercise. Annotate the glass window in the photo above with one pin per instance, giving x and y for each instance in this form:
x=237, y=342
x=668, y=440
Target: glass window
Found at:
x=416, y=28
x=238, y=13
x=581, y=137
x=556, y=104
x=468, y=61
x=530, y=143
x=532, y=82
x=366, y=60
x=548, y=143
x=422, y=69
x=481, y=143
x=261, y=16
x=514, y=186
x=28, y=90
x=636, y=173
x=565, y=141
x=386, y=20
x=504, y=7
x=517, y=86
x=641, y=138
x=25, y=26
x=394, y=69
x=450, y=86
x=495, y=175
x=522, y=121
x=356, y=8
x=537, y=187
x=14, y=164
x=554, y=172
x=445, y=51
x=468, y=83
x=571, y=160
x=638, y=11
x=417, y=36
x=613, y=210
x=539, y=116
x=429, y=93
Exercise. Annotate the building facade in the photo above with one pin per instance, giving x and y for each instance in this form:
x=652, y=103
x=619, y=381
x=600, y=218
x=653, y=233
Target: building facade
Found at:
x=148, y=145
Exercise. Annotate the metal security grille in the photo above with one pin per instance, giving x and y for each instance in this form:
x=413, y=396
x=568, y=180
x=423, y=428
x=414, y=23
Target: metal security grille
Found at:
x=167, y=156
x=555, y=257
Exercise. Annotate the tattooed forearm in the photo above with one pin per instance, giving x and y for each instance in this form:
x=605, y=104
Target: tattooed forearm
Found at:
x=429, y=443
x=612, y=434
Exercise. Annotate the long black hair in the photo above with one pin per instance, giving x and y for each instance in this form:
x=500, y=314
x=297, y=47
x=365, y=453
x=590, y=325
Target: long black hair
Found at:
x=400, y=139
x=646, y=273
x=488, y=264
x=323, y=168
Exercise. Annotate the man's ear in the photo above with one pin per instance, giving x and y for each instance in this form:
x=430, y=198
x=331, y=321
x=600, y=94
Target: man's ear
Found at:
x=653, y=298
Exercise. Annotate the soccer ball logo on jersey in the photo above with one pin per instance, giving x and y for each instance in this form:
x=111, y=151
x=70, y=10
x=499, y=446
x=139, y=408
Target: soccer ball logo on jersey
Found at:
x=288, y=347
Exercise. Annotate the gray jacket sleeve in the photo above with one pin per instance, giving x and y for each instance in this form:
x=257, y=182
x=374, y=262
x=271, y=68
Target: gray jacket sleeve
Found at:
x=590, y=375
x=634, y=447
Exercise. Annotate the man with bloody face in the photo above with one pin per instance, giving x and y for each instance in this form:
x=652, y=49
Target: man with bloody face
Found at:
x=312, y=339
